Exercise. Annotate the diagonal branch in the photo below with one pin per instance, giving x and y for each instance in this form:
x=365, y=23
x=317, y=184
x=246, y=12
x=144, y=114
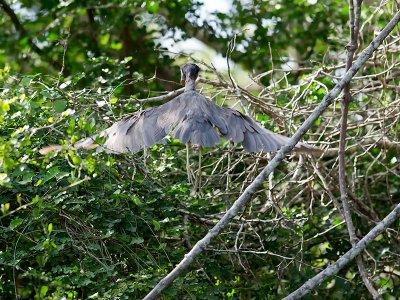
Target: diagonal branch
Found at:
x=347, y=257
x=18, y=26
x=24, y=33
x=238, y=205
x=162, y=98
x=354, y=20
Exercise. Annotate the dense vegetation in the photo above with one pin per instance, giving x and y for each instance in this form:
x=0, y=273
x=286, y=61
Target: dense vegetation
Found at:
x=84, y=224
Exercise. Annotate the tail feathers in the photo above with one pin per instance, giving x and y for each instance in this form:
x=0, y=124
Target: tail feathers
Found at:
x=50, y=148
x=90, y=147
x=87, y=143
x=56, y=148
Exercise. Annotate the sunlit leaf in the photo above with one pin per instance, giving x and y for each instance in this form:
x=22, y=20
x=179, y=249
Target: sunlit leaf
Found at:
x=65, y=84
x=152, y=6
x=43, y=290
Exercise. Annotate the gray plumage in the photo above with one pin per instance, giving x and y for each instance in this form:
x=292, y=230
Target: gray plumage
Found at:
x=190, y=118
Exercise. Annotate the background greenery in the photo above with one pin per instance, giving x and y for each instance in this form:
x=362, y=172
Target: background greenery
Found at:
x=81, y=224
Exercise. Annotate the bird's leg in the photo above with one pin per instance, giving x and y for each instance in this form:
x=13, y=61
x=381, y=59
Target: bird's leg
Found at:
x=228, y=178
x=197, y=184
x=145, y=162
x=199, y=173
x=188, y=169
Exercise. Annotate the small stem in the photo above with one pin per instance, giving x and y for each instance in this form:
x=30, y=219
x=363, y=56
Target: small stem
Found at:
x=188, y=169
x=354, y=19
x=197, y=184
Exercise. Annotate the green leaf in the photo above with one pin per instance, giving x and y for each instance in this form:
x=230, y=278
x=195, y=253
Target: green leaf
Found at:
x=104, y=39
x=54, y=172
x=116, y=46
x=46, y=94
x=127, y=59
x=50, y=228
x=26, y=81
x=137, y=240
x=5, y=207
x=157, y=225
x=60, y=105
x=136, y=200
x=4, y=178
x=15, y=223
x=36, y=199
x=152, y=6
x=43, y=291
x=27, y=178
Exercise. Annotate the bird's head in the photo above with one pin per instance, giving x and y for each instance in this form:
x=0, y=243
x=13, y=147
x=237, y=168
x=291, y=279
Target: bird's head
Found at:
x=189, y=71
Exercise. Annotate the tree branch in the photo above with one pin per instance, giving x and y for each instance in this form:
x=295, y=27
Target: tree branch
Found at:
x=238, y=205
x=354, y=20
x=381, y=143
x=163, y=98
x=347, y=257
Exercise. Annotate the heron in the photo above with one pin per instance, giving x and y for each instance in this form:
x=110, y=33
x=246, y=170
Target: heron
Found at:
x=191, y=118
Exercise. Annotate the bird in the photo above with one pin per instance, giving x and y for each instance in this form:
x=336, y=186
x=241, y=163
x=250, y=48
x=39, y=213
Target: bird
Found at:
x=191, y=118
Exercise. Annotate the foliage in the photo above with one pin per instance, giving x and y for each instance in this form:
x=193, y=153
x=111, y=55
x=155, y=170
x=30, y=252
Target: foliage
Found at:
x=84, y=224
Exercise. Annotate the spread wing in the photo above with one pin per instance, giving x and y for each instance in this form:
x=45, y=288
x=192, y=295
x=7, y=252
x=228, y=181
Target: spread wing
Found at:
x=193, y=118
x=135, y=132
x=243, y=129
x=190, y=117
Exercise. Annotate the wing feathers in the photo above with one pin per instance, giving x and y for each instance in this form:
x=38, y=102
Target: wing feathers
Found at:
x=249, y=143
x=190, y=117
x=254, y=137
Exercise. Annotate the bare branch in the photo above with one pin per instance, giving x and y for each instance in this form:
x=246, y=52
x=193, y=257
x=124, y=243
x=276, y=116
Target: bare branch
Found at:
x=163, y=98
x=354, y=20
x=382, y=143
